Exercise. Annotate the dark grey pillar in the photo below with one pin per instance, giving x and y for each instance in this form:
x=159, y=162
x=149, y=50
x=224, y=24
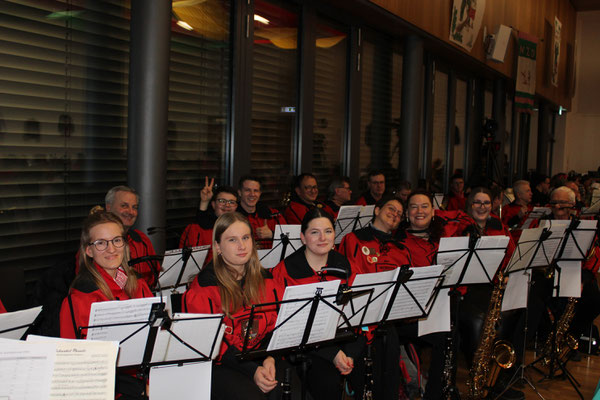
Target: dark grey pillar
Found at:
x=471, y=141
x=513, y=145
x=496, y=164
x=412, y=67
x=148, y=109
x=352, y=143
x=427, y=118
x=524, y=126
x=543, y=138
x=450, y=128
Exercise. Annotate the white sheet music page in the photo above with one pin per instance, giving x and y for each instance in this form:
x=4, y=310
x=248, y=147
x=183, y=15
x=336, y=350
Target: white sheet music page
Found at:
x=189, y=381
x=452, y=254
x=439, y=316
x=379, y=299
x=576, y=249
x=83, y=369
x=118, y=312
x=198, y=333
x=269, y=258
x=420, y=285
x=293, y=234
x=172, y=264
x=567, y=280
x=25, y=369
x=366, y=216
x=515, y=294
x=535, y=214
x=16, y=319
x=548, y=248
x=289, y=334
x=345, y=221
x=525, y=249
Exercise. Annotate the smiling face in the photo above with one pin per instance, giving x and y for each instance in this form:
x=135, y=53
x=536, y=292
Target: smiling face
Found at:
x=308, y=190
x=109, y=259
x=236, y=246
x=249, y=194
x=420, y=212
x=319, y=236
x=125, y=206
x=481, y=208
x=387, y=218
x=224, y=203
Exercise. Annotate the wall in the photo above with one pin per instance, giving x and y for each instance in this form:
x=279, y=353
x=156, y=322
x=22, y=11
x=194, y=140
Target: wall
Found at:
x=524, y=15
x=582, y=133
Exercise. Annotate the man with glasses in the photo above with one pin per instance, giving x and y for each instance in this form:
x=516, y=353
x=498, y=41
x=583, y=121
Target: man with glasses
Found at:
x=123, y=201
x=303, y=198
x=376, y=189
x=262, y=218
x=339, y=193
x=223, y=200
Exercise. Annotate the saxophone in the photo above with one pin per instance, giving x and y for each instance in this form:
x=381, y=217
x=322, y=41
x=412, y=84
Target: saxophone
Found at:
x=491, y=355
x=561, y=343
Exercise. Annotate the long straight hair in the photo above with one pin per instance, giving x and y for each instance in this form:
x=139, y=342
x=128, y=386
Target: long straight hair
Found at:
x=234, y=296
x=87, y=269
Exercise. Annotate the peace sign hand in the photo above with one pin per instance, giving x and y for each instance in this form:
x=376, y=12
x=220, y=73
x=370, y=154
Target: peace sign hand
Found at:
x=206, y=193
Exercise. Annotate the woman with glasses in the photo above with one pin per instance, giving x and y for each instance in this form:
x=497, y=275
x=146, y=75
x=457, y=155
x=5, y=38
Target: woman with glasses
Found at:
x=230, y=285
x=103, y=272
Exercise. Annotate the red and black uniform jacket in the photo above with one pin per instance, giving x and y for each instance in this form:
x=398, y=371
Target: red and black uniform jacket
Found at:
x=592, y=262
x=204, y=297
x=510, y=215
x=2, y=309
x=200, y=232
x=456, y=203
x=370, y=250
x=297, y=209
x=263, y=215
x=75, y=310
x=335, y=209
x=295, y=270
x=366, y=199
x=140, y=246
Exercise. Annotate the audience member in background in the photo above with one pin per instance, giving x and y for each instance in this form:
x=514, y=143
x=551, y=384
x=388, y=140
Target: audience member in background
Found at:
x=403, y=191
x=514, y=214
x=456, y=199
x=303, y=198
x=575, y=188
x=338, y=194
x=262, y=218
x=541, y=190
x=375, y=189
x=123, y=201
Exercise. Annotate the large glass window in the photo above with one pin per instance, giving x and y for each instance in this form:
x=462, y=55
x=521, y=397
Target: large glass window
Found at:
x=330, y=101
x=198, y=103
x=63, y=123
x=274, y=96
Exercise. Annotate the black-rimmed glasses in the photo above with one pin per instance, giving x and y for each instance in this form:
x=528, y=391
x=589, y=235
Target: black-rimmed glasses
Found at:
x=102, y=244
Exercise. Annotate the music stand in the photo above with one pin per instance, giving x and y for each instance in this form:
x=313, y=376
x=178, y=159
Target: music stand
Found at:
x=438, y=201
x=16, y=325
x=177, y=268
x=351, y=218
x=286, y=240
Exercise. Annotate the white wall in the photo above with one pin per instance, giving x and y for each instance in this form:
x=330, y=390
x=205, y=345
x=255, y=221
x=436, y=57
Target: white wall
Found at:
x=581, y=135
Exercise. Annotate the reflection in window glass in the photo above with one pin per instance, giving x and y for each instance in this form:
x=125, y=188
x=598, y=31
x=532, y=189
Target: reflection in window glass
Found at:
x=198, y=102
x=438, y=153
x=380, y=109
x=274, y=97
x=330, y=100
x=459, y=136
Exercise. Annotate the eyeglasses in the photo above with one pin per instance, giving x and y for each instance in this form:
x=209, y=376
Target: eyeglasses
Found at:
x=102, y=244
x=223, y=202
x=482, y=203
x=394, y=211
x=563, y=204
x=314, y=187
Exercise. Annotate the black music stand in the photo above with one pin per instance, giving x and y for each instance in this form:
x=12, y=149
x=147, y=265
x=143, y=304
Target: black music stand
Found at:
x=19, y=321
x=177, y=268
x=269, y=258
x=351, y=218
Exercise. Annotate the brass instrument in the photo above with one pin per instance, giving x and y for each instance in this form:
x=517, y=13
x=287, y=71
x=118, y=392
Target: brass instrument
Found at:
x=491, y=354
x=368, y=389
x=561, y=343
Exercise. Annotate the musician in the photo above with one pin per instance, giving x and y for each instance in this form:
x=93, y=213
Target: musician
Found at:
x=262, y=218
x=375, y=189
x=123, y=201
x=374, y=248
x=540, y=190
x=230, y=284
x=456, y=199
x=304, y=198
x=338, y=194
x=403, y=191
x=199, y=233
x=515, y=213
x=313, y=262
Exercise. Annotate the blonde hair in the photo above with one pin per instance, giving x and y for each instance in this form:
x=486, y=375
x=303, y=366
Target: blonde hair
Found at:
x=87, y=270
x=234, y=297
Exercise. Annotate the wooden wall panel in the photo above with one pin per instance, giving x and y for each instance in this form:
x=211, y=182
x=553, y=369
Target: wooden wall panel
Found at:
x=433, y=17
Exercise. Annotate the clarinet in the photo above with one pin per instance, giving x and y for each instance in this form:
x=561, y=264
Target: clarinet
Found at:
x=286, y=385
x=368, y=389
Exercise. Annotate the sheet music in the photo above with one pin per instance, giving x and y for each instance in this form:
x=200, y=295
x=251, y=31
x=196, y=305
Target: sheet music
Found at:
x=515, y=294
x=82, y=369
x=269, y=258
x=172, y=264
x=290, y=333
x=567, y=280
x=293, y=234
x=25, y=370
x=584, y=235
x=535, y=214
x=15, y=319
x=198, y=333
x=116, y=312
x=453, y=254
x=594, y=207
x=345, y=221
x=189, y=381
x=525, y=249
x=366, y=215
x=547, y=250
x=438, y=200
x=379, y=299
x=421, y=286
x=439, y=316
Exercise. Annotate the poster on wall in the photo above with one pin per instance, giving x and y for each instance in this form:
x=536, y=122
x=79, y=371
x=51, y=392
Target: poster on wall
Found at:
x=556, y=52
x=525, y=79
x=465, y=22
